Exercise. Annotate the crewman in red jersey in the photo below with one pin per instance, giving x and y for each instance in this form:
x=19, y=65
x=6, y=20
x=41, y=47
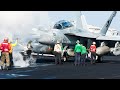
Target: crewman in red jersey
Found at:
x=93, y=52
x=5, y=48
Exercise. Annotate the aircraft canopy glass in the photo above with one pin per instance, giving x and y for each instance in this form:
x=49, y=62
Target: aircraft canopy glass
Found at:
x=63, y=24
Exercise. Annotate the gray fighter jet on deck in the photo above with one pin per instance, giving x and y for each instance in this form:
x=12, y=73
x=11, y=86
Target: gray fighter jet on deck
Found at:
x=66, y=33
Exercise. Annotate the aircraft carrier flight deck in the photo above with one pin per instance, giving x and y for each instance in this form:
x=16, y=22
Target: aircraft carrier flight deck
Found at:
x=45, y=68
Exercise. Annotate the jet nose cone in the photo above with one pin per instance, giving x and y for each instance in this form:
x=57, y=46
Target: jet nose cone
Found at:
x=46, y=39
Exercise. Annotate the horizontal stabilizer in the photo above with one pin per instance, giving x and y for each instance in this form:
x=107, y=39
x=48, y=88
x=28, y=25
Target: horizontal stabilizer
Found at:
x=113, y=38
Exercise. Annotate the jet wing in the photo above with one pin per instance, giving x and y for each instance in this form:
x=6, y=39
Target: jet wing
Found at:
x=112, y=38
x=86, y=35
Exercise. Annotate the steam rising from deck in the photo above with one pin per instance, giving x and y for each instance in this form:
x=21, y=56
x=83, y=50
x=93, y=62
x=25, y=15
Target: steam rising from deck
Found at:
x=19, y=62
x=19, y=24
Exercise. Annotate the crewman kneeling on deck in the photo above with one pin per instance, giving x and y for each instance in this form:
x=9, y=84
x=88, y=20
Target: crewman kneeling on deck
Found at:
x=65, y=52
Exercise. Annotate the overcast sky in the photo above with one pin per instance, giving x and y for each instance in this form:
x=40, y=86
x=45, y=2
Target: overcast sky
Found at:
x=21, y=22
x=33, y=18
x=97, y=18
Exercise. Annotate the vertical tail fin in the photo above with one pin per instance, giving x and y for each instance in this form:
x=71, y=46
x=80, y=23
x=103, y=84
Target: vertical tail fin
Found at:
x=107, y=24
x=81, y=21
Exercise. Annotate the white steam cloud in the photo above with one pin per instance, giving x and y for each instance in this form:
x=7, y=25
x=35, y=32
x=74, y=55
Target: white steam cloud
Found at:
x=19, y=24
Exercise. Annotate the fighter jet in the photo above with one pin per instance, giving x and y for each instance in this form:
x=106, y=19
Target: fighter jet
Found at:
x=66, y=33
x=44, y=39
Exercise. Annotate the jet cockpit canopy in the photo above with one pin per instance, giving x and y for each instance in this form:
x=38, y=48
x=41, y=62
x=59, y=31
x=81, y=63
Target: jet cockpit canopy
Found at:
x=63, y=24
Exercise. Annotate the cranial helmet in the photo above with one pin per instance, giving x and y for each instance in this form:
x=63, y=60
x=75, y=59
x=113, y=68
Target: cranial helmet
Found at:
x=58, y=42
x=94, y=42
x=77, y=41
x=6, y=39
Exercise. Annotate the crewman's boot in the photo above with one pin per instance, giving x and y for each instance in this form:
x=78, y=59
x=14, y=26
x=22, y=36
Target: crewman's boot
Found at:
x=64, y=59
x=2, y=68
x=8, y=68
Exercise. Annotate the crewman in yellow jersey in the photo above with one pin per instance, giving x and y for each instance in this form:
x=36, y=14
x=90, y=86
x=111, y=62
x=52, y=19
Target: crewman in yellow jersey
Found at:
x=11, y=50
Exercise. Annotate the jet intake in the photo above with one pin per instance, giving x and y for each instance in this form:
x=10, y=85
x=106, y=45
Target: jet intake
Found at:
x=70, y=52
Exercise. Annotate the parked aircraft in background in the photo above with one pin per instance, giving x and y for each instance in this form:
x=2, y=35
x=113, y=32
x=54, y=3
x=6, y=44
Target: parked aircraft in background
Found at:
x=109, y=42
x=110, y=39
